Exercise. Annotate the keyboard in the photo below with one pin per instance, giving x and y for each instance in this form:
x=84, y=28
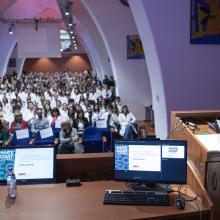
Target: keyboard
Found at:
x=128, y=197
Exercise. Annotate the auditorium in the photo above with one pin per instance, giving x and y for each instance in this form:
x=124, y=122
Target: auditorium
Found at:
x=109, y=109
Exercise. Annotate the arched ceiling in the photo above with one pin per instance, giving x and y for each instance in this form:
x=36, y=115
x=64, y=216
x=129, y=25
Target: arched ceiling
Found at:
x=88, y=34
x=39, y=8
x=5, y=4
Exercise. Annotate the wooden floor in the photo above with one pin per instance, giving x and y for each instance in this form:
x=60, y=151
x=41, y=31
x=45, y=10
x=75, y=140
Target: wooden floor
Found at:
x=146, y=128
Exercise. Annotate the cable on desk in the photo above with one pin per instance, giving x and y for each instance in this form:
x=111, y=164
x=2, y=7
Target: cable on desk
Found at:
x=176, y=127
x=191, y=199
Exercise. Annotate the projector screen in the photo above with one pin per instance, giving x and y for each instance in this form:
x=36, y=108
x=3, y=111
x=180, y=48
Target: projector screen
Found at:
x=30, y=164
x=43, y=41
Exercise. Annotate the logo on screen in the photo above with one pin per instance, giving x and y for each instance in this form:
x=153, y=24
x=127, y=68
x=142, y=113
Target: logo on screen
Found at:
x=121, y=149
x=7, y=158
x=121, y=157
x=6, y=155
x=173, y=149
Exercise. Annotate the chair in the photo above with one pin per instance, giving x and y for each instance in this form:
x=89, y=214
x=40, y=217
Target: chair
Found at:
x=45, y=136
x=92, y=140
x=56, y=132
x=21, y=137
x=106, y=132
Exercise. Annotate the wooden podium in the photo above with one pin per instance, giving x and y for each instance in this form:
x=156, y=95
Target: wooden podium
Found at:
x=203, y=148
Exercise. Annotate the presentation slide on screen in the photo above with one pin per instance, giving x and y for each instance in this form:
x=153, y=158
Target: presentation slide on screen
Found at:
x=34, y=163
x=173, y=152
x=145, y=158
x=28, y=163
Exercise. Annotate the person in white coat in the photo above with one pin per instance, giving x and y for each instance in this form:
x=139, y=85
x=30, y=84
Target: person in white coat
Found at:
x=126, y=120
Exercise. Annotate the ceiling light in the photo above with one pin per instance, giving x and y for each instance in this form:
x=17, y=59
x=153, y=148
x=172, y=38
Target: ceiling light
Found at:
x=10, y=30
x=67, y=13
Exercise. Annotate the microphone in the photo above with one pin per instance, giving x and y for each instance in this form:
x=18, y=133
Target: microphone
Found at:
x=191, y=125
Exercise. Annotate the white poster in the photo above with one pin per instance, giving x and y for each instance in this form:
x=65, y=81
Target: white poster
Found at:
x=45, y=133
x=23, y=133
x=101, y=124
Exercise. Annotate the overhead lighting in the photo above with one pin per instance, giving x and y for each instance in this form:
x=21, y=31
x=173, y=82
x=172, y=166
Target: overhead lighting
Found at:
x=10, y=30
x=61, y=50
x=71, y=32
x=73, y=37
x=67, y=9
x=70, y=24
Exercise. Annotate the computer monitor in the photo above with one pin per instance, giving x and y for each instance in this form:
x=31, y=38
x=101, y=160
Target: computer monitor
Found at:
x=31, y=165
x=159, y=161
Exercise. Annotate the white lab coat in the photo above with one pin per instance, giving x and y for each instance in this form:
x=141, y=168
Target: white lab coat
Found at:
x=125, y=120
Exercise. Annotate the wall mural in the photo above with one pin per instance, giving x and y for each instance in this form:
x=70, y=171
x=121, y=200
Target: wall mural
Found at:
x=134, y=47
x=205, y=22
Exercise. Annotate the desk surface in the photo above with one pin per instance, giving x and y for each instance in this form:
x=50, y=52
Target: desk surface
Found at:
x=56, y=201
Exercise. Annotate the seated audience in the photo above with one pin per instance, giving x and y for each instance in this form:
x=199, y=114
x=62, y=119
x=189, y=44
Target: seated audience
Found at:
x=126, y=120
x=69, y=140
x=81, y=122
x=40, y=122
x=89, y=114
x=112, y=119
x=56, y=119
x=18, y=123
x=4, y=122
x=70, y=95
x=4, y=134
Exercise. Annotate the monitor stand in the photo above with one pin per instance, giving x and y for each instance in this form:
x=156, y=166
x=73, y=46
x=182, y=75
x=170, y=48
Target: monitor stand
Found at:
x=159, y=187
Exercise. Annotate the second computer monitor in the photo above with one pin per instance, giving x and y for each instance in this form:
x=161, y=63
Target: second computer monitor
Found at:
x=159, y=161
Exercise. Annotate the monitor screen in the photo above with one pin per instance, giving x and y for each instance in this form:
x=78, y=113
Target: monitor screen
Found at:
x=156, y=161
x=31, y=165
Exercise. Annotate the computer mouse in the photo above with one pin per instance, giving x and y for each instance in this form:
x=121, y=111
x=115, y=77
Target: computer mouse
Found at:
x=180, y=204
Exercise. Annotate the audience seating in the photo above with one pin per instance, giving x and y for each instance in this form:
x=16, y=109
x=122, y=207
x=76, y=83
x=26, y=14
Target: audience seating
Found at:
x=106, y=132
x=39, y=140
x=17, y=139
x=92, y=140
x=56, y=132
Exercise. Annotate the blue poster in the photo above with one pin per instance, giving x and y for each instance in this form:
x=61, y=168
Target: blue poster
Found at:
x=121, y=157
x=205, y=19
x=7, y=158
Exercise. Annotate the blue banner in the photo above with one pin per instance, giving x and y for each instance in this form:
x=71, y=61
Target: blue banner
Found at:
x=121, y=157
x=7, y=158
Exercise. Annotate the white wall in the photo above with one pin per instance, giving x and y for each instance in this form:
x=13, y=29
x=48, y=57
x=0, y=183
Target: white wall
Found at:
x=187, y=75
x=115, y=22
x=7, y=43
x=154, y=68
x=92, y=39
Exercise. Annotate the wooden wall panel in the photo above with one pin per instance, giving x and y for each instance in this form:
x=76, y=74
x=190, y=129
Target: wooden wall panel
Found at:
x=73, y=63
